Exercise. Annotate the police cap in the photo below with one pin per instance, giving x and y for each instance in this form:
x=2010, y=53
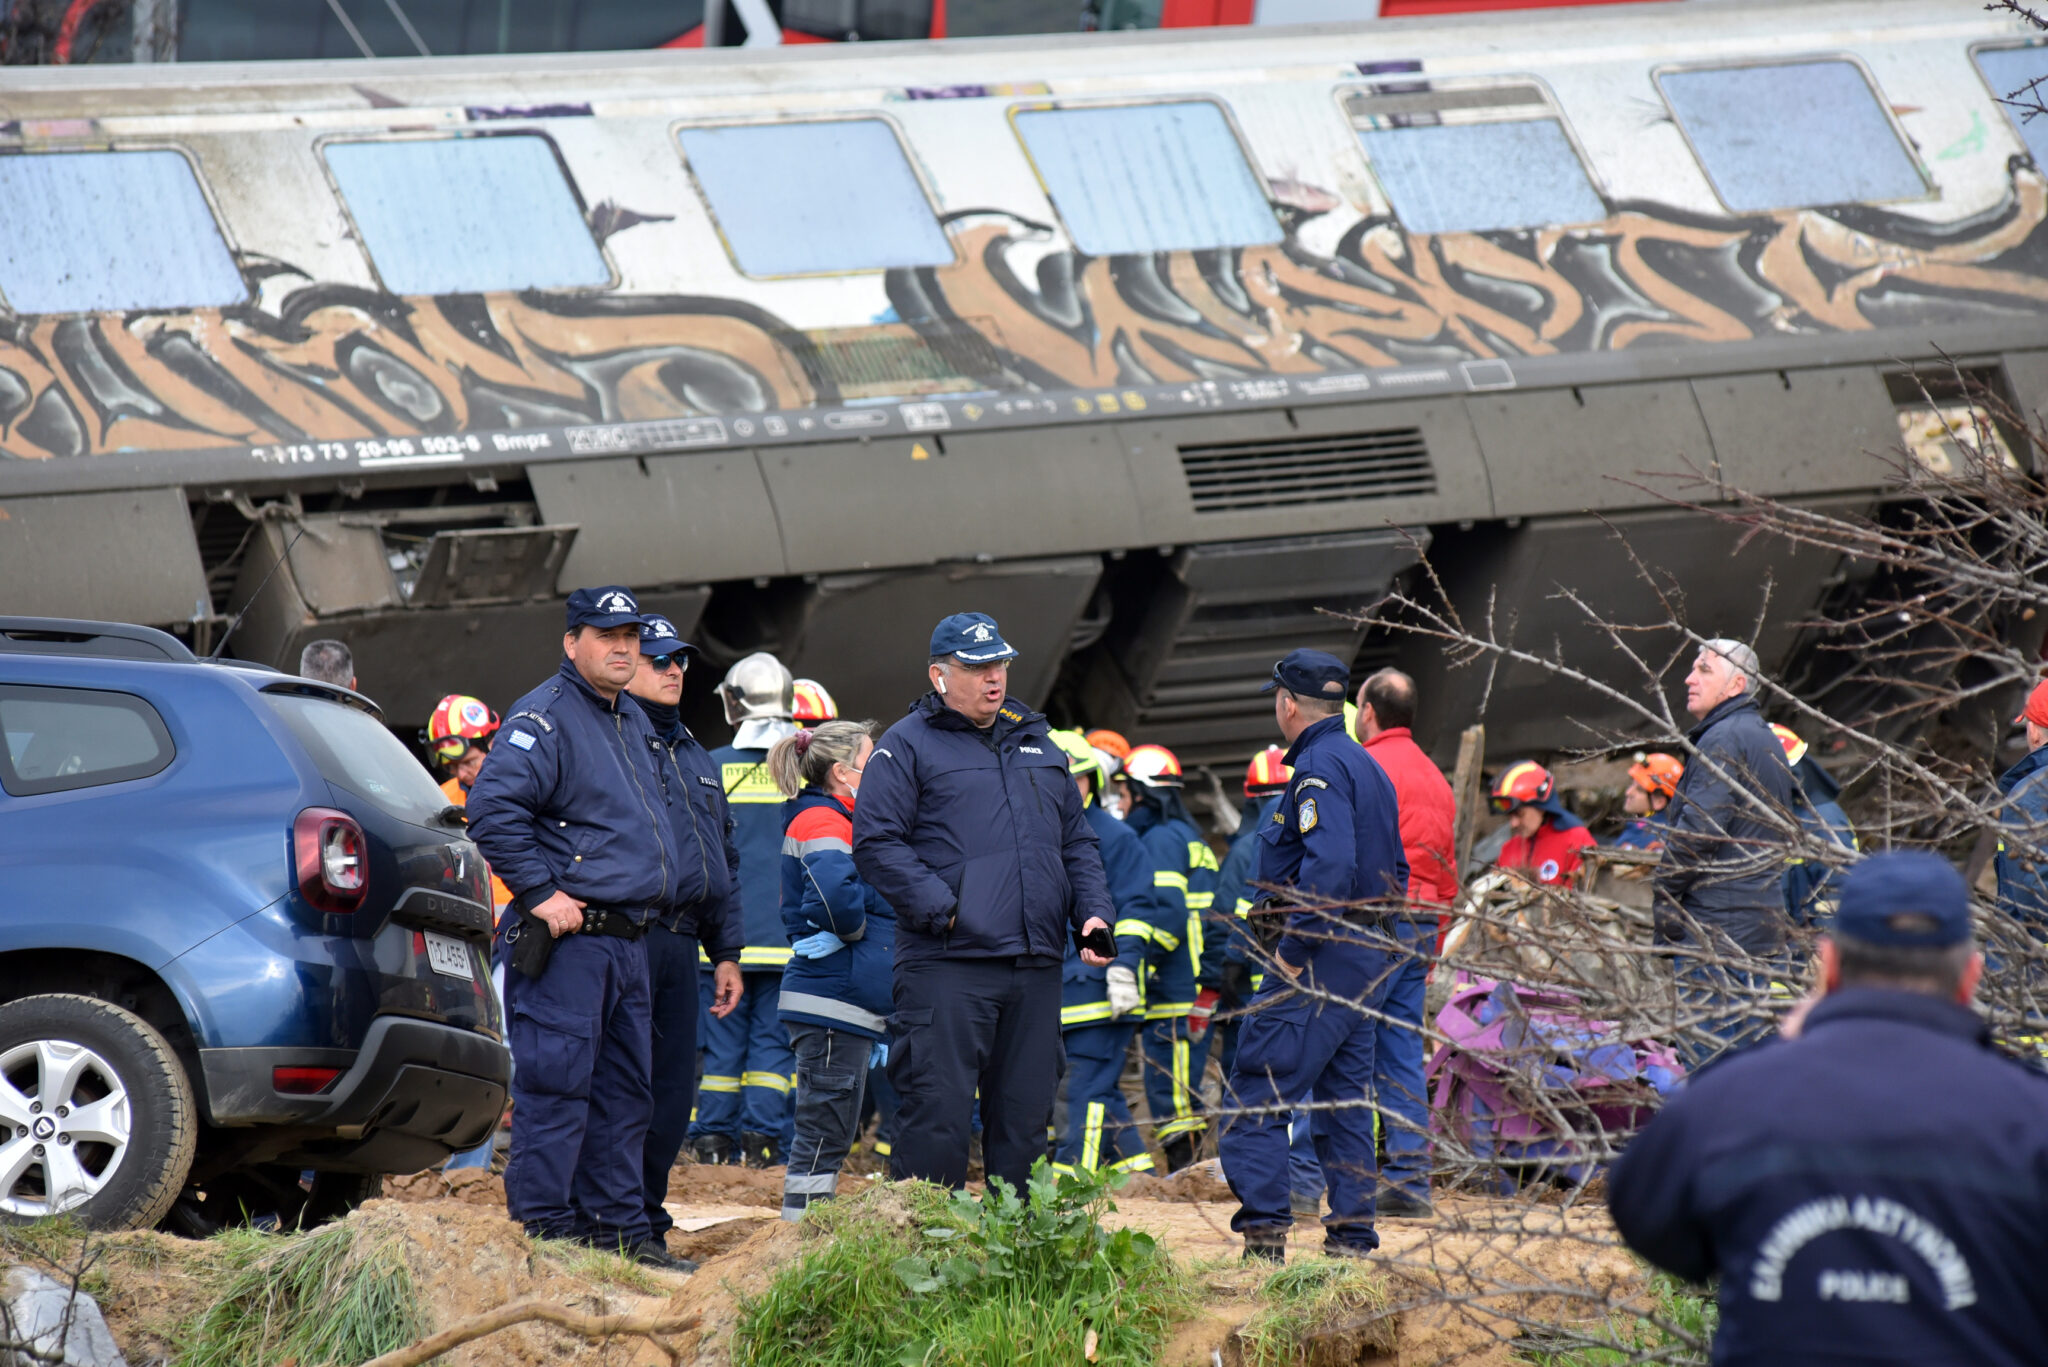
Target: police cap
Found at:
x=971, y=637
x=1907, y=899
x=658, y=636
x=604, y=608
x=1310, y=674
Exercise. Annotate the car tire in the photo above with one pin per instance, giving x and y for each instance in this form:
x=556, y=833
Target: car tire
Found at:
x=93, y=1100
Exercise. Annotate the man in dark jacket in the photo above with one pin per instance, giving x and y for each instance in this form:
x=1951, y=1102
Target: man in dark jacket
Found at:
x=970, y=828
x=1871, y=1191
x=572, y=812
x=705, y=910
x=1719, y=888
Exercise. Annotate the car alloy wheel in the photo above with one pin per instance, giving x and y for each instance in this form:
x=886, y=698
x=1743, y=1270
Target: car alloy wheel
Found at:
x=66, y=1117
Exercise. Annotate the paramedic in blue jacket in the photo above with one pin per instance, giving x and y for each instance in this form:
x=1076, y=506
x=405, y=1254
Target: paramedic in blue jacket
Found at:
x=1337, y=851
x=572, y=812
x=970, y=828
x=1100, y=1007
x=1872, y=1190
x=744, y=1104
x=835, y=993
x=705, y=910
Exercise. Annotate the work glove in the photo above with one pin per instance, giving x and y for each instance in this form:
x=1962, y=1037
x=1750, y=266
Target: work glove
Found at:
x=1123, y=991
x=817, y=946
x=878, y=1057
x=1201, y=1011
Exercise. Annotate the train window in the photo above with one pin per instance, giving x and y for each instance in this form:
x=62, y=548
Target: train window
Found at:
x=1148, y=177
x=89, y=231
x=827, y=197
x=2011, y=71
x=466, y=215
x=1473, y=159
x=1790, y=135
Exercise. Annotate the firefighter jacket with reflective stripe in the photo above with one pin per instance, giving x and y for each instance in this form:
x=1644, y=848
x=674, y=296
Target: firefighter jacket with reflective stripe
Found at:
x=1188, y=948
x=759, y=813
x=1237, y=880
x=848, y=989
x=571, y=797
x=1084, y=988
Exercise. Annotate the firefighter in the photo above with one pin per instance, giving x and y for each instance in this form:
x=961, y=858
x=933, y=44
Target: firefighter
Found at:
x=1265, y=783
x=1191, y=956
x=1809, y=881
x=1652, y=781
x=811, y=705
x=745, y=1100
x=1546, y=838
x=458, y=736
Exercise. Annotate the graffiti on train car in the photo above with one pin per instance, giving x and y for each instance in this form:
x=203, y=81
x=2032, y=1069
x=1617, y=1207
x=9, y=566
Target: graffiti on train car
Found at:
x=335, y=363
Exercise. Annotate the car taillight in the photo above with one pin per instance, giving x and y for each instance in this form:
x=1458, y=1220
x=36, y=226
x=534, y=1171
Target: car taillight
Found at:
x=333, y=866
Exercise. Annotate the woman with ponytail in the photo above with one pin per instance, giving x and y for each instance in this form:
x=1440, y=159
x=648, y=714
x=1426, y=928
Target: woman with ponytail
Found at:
x=836, y=990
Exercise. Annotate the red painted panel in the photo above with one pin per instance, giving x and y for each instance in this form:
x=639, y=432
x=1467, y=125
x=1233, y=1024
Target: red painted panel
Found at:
x=1396, y=9
x=938, y=18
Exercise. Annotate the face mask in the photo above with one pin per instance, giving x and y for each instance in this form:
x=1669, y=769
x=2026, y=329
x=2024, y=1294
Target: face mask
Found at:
x=1114, y=805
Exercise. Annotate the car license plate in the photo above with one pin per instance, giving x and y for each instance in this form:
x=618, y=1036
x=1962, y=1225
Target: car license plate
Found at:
x=446, y=954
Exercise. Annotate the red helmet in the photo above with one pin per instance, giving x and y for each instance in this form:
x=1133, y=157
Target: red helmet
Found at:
x=1155, y=766
x=1657, y=773
x=1522, y=784
x=458, y=721
x=813, y=704
x=1268, y=772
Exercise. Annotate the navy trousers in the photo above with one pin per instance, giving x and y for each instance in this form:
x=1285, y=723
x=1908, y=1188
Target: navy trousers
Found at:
x=1398, y=1087
x=1173, y=1078
x=672, y=983
x=747, y=1064
x=582, y=1092
x=1296, y=1044
x=1099, y=1130
x=963, y=1023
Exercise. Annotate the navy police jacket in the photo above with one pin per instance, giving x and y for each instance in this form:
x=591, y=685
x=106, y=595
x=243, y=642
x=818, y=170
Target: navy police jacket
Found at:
x=976, y=837
x=707, y=896
x=1875, y=1191
x=1084, y=988
x=572, y=797
x=759, y=812
x=849, y=989
x=1339, y=837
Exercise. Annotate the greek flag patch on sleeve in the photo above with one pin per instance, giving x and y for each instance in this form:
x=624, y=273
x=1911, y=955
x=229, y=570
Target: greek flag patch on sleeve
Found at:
x=521, y=739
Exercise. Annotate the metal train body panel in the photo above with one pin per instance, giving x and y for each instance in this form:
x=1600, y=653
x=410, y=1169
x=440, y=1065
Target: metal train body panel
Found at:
x=1292, y=420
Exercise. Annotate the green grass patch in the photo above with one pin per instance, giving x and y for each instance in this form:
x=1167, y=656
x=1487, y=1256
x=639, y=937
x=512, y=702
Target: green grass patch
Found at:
x=1678, y=1329
x=332, y=1297
x=912, y=1276
x=606, y=1269
x=1307, y=1298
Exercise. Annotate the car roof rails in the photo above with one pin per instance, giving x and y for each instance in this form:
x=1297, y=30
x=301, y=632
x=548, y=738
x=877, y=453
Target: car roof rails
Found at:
x=313, y=688
x=105, y=640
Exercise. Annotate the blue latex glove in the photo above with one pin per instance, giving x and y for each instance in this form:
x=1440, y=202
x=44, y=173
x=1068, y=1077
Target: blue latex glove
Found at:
x=878, y=1057
x=817, y=946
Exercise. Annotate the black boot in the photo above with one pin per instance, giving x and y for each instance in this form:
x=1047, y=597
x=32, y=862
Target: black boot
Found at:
x=759, y=1150
x=712, y=1148
x=1180, y=1151
x=1265, y=1248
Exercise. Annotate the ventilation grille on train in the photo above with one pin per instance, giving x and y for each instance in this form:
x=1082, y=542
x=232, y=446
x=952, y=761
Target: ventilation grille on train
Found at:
x=1239, y=476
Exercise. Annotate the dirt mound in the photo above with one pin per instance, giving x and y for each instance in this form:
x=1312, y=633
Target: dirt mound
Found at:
x=1196, y=1182
x=715, y=1293
x=470, y=1186
x=713, y=1184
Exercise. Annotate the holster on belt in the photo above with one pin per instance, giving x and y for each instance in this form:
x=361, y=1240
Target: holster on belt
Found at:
x=1267, y=919
x=532, y=943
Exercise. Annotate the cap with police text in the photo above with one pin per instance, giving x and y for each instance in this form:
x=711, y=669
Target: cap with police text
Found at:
x=2036, y=710
x=973, y=638
x=604, y=608
x=658, y=636
x=1310, y=674
x=1904, y=898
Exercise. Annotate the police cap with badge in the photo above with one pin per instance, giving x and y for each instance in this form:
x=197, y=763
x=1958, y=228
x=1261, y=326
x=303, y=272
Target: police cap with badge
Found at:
x=971, y=638
x=1310, y=674
x=611, y=606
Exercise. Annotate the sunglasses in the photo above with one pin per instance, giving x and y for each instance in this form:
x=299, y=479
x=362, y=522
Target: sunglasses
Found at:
x=1502, y=804
x=455, y=747
x=660, y=663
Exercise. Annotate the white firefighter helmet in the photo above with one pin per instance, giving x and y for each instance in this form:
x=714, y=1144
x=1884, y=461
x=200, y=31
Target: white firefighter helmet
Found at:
x=758, y=686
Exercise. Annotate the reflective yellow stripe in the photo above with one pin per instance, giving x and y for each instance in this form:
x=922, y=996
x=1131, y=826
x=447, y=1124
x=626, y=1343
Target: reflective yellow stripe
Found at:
x=1244, y=907
x=1165, y=939
x=774, y=1082
x=1167, y=1011
x=762, y=956
x=750, y=783
x=715, y=1083
x=1085, y=1013
x=1139, y=1162
x=1091, y=1135
x=1133, y=927
x=1201, y=901
x=703, y=959
x=1164, y=879
x=1200, y=856
x=882, y=1148
x=1194, y=941
x=1257, y=978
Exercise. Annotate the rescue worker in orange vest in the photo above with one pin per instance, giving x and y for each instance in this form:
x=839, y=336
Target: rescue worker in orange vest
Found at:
x=1652, y=781
x=1546, y=838
x=458, y=736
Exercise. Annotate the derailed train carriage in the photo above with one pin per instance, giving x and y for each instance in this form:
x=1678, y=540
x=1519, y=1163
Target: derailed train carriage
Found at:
x=1153, y=345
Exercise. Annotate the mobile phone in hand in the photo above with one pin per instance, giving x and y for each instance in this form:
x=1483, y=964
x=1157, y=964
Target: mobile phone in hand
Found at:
x=1099, y=941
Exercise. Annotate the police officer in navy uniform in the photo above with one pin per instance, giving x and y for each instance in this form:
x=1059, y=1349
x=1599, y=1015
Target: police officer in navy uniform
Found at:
x=1875, y=1190
x=1337, y=847
x=969, y=826
x=572, y=812
x=705, y=910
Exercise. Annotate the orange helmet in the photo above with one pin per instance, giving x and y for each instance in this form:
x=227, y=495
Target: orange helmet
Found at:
x=1657, y=773
x=1111, y=743
x=1155, y=766
x=458, y=721
x=813, y=704
x=1522, y=784
x=1268, y=772
x=1795, y=748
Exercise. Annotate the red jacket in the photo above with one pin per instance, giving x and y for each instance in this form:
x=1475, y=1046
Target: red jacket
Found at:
x=1553, y=856
x=1428, y=812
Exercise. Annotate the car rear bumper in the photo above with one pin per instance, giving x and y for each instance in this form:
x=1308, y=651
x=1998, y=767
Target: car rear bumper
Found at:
x=414, y=1093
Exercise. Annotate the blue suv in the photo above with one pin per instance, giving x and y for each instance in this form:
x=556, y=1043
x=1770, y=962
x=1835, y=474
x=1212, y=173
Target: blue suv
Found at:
x=243, y=941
